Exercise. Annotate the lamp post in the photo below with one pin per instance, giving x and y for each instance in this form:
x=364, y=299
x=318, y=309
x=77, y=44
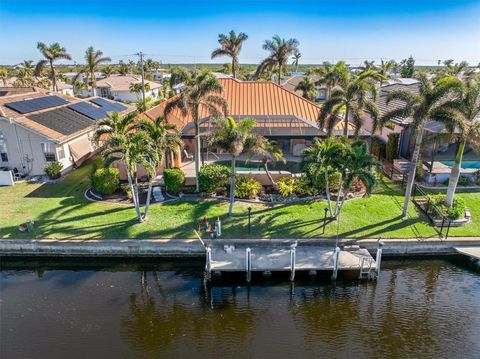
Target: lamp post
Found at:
x=249, y=223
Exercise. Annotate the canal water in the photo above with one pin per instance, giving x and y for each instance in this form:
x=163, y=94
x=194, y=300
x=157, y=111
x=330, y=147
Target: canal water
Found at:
x=109, y=309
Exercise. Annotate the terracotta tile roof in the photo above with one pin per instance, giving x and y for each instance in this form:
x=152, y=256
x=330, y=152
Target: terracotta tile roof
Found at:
x=248, y=98
x=122, y=83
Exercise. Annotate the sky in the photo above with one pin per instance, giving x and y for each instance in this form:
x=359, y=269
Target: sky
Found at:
x=186, y=31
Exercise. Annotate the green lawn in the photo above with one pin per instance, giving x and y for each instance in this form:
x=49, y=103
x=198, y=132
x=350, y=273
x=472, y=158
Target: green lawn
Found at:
x=60, y=211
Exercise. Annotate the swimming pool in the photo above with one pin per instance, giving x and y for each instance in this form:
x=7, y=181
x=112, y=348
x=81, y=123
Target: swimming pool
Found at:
x=465, y=164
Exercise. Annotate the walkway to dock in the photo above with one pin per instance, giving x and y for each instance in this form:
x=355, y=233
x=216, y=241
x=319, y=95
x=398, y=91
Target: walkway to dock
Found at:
x=472, y=252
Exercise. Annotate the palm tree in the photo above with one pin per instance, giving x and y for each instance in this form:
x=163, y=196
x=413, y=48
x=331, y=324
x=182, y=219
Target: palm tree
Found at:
x=267, y=151
x=163, y=138
x=28, y=66
x=24, y=78
x=296, y=57
x=354, y=94
x=108, y=71
x=136, y=88
x=201, y=91
x=429, y=104
x=51, y=54
x=230, y=45
x=235, y=139
x=354, y=163
x=308, y=88
x=464, y=112
x=385, y=68
x=121, y=143
x=329, y=75
x=123, y=68
x=3, y=75
x=280, y=51
x=453, y=69
x=320, y=160
x=368, y=66
x=93, y=58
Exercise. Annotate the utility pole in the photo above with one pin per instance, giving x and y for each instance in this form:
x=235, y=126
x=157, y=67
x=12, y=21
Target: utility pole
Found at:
x=140, y=54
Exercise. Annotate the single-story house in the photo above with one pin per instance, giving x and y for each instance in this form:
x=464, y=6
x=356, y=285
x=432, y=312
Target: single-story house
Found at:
x=280, y=115
x=38, y=127
x=117, y=87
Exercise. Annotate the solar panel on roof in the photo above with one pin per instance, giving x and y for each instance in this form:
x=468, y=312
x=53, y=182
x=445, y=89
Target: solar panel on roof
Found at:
x=88, y=110
x=107, y=105
x=36, y=104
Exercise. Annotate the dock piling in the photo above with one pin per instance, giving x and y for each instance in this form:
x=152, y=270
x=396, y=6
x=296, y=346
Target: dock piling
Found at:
x=336, y=256
x=378, y=259
x=208, y=264
x=292, y=261
x=248, y=264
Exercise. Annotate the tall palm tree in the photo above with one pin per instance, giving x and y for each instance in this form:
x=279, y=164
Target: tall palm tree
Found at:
x=230, y=45
x=385, y=68
x=3, y=75
x=308, y=88
x=329, y=75
x=320, y=160
x=464, y=112
x=108, y=70
x=280, y=51
x=163, y=138
x=353, y=94
x=296, y=57
x=202, y=90
x=93, y=60
x=120, y=143
x=51, y=54
x=234, y=139
x=429, y=104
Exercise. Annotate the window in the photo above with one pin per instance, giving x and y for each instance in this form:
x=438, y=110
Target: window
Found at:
x=3, y=148
x=60, y=152
x=49, y=152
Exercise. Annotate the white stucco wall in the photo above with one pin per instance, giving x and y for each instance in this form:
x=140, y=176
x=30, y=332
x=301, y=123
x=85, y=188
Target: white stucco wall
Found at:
x=128, y=96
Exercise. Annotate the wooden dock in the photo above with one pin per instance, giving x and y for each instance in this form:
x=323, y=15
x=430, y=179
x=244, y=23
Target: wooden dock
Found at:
x=472, y=252
x=289, y=258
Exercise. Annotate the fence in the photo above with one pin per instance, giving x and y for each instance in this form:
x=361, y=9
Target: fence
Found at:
x=435, y=214
x=394, y=173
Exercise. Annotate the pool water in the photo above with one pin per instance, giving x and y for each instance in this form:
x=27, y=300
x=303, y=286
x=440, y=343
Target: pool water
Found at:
x=243, y=166
x=464, y=165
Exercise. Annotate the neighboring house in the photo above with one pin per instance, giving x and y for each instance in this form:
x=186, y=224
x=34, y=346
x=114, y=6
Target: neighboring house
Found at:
x=292, y=82
x=117, y=87
x=65, y=89
x=161, y=75
x=38, y=127
x=281, y=115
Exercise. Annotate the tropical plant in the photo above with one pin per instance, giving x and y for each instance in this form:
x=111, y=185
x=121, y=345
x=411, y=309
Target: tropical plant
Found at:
x=320, y=160
x=123, y=68
x=24, y=78
x=308, y=88
x=385, y=68
x=202, y=90
x=174, y=180
x=108, y=70
x=354, y=94
x=164, y=139
x=267, y=151
x=453, y=69
x=214, y=178
x=407, y=67
x=286, y=186
x=368, y=66
x=29, y=66
x=230, y=45
x=53, y=170
x=120, y=143
x=329, y=75
x=234, y=139
x=93, y=60
x=106, y=180
x=296, y=57
x=51, y=54
x=247, y=187
x=3, y=75
x=429, y=104
x=136, y=88
x=461, y=119
x=280, y=51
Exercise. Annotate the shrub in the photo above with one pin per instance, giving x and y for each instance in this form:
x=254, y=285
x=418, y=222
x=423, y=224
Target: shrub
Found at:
x=286, y=186
x=214, y=178
x=391, y=151
x=106, y=180
x=477, y=177
x=53, y=170
x=333, y=182
x=436, y=206
x=463, y=181
x=174, y=179
x=378, y=147
x=304, y=186
x=125, y=188
x=247, y=187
